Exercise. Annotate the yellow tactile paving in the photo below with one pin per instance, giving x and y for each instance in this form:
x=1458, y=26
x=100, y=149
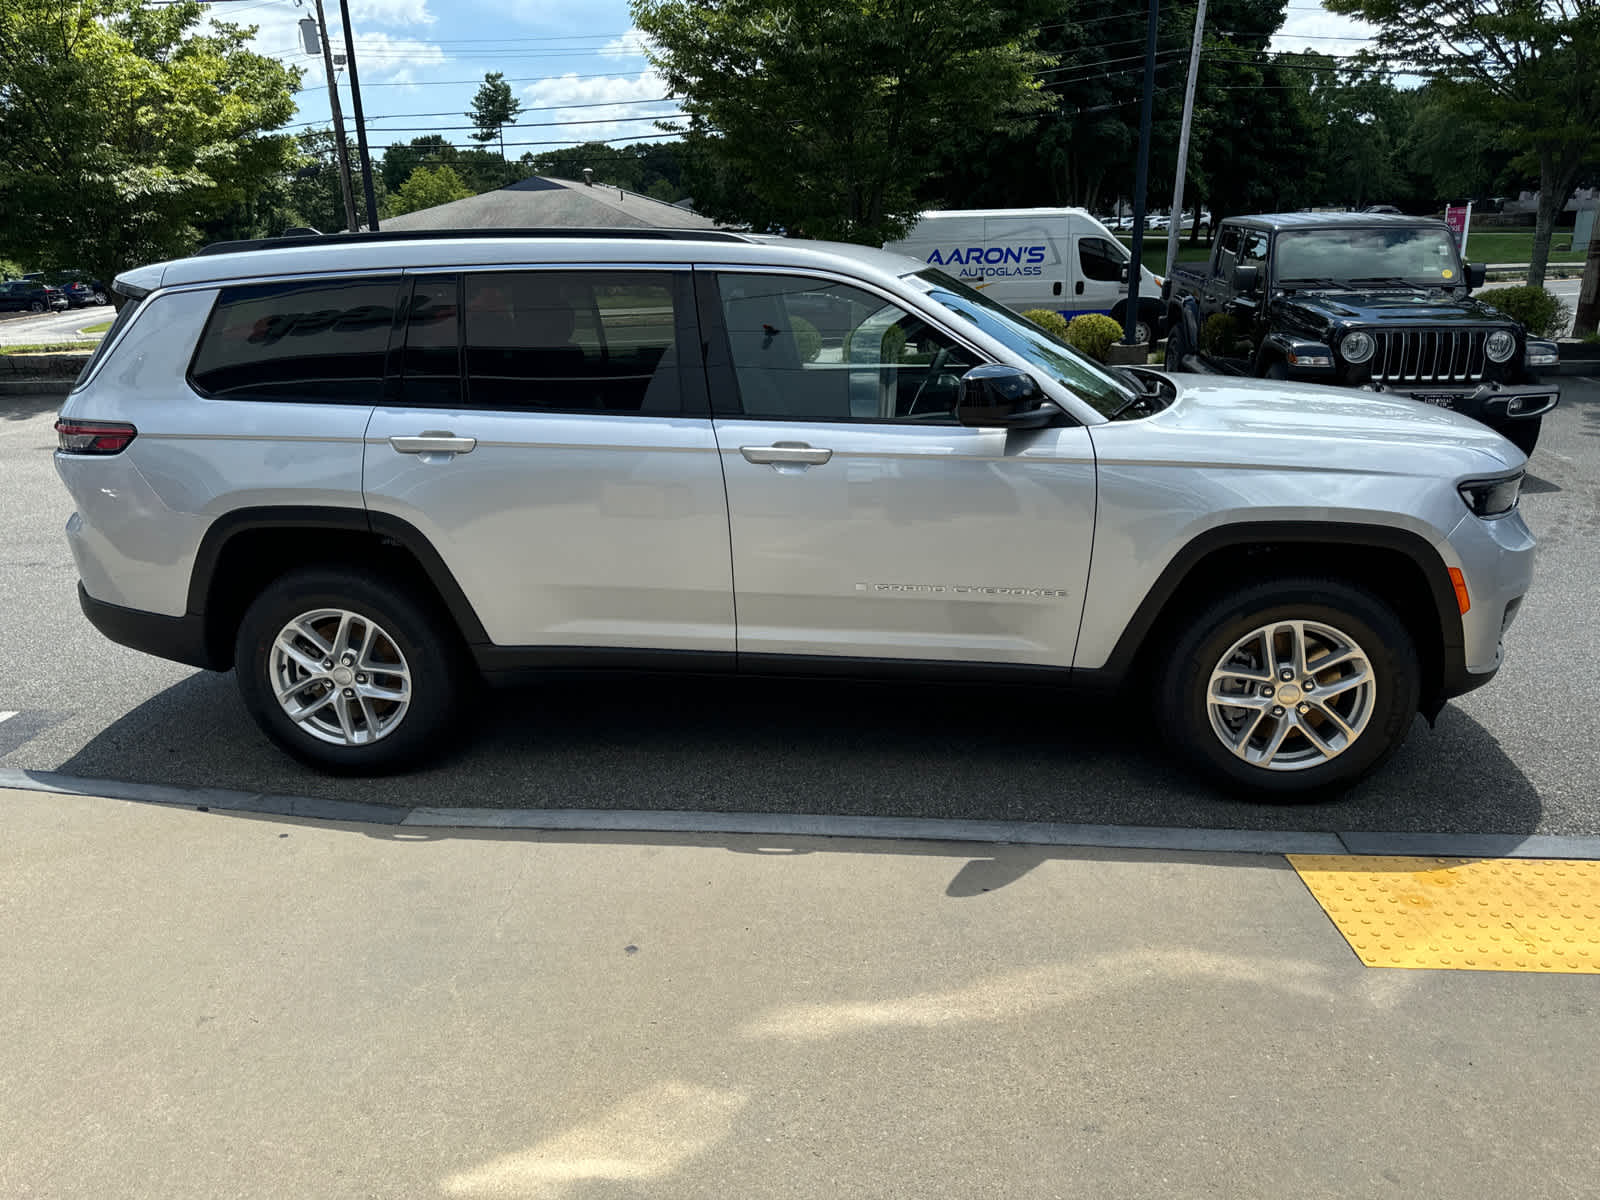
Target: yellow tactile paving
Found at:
x=1462, y=914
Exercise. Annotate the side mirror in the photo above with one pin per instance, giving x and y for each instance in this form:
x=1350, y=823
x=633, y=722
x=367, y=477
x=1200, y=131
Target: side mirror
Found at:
x=1246, y=280
x=1476, y=273
x=1005, y=396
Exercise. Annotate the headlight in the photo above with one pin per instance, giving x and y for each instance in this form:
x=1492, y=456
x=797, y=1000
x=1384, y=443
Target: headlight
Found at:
x=1541, y=354
x=1357, y=346
x=1492, y=497
x=1500, y=346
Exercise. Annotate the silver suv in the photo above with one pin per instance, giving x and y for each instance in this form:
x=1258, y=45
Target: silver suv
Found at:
x=365, y=470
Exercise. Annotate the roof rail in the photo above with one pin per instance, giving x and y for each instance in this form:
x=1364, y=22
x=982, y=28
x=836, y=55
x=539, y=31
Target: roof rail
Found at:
x=419, y=235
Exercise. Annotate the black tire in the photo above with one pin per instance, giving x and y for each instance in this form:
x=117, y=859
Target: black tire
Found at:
x=1275, y=369
x=1177, y=346
x=419, y=629
x=36, y=307
x=1362, y=618
x=1524, y=434
x=101, y=298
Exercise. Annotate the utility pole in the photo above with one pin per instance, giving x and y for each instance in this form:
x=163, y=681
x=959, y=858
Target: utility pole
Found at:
x=361, y=124
x=338, y=116
x=1131, y=317
x=1183, y=141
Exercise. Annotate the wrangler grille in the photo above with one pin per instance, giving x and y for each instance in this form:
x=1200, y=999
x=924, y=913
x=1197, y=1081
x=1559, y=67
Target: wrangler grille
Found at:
x=1429, y=355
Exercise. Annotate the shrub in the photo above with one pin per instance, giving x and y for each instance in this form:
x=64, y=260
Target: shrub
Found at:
x=1542, y=313
x=1093, y=334
x=1220, y=334
x=808, y=342
x=1051, y=322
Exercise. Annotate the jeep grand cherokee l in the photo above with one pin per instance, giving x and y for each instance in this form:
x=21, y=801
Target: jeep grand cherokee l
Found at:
x=359, y=469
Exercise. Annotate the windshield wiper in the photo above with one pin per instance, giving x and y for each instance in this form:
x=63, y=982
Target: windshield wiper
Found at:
x=1342, y=284
x=1148, y=388
x=1395, y=281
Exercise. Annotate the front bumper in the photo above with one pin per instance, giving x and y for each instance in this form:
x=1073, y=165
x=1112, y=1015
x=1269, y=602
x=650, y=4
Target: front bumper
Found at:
x=1495, y=404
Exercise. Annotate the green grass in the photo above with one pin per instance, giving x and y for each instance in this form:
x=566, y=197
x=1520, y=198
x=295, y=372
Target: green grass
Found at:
x=49, y=348
x=100, y=328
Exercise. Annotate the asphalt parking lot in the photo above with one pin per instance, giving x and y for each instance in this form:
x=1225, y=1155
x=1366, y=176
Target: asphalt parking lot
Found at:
x=1512, y=758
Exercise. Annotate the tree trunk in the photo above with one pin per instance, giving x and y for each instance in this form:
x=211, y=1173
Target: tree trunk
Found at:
x=1555, y=181
x=1588, y=315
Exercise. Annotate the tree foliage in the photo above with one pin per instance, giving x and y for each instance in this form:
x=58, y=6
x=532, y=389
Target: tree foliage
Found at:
x=1529, y=69
x=821, y=117
x=493, y=108
x=123, y=128
x=427, y=187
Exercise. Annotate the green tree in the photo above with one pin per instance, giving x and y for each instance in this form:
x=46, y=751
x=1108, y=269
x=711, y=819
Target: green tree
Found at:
x=493, y=108
x=1529, y=68
x=821, y=117
x=402, y=158
x=122, y=129
x=426, y=187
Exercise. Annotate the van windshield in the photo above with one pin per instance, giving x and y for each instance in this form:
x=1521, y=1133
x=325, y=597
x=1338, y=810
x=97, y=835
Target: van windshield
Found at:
x=1069, y=367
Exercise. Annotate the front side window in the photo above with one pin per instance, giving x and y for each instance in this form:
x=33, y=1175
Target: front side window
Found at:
x=1099, y=260
x=570, y=341
x=812, y=349
x=322, y=340
x=1050, y=356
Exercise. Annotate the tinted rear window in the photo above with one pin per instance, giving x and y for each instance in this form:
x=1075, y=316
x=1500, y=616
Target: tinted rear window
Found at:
x=319, y=341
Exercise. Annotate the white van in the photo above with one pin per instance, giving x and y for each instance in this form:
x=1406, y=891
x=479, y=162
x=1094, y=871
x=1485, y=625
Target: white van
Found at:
x=1060, y=259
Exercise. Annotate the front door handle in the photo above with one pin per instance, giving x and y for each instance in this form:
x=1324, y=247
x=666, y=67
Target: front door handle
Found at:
x=434, y=441
x=1077, y=288
x=786, y=454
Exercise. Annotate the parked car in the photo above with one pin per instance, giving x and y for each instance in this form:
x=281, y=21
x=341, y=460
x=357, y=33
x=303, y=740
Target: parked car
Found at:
x=361, y=469
x=79, y=289
x=1368, y=300
x=29, y=295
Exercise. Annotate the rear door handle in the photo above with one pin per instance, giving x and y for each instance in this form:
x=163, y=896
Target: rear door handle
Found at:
x=434, y=441
x=786, y=453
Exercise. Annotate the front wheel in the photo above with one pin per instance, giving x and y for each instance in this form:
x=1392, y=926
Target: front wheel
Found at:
x=347, y=671
x=1177, y=347
x=1291, y=689
x=36, y=307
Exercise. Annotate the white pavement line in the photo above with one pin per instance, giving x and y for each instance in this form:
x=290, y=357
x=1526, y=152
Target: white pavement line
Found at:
x=6, y=716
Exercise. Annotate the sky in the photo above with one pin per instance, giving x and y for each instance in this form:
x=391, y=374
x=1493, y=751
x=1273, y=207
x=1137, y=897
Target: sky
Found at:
x=576, y=65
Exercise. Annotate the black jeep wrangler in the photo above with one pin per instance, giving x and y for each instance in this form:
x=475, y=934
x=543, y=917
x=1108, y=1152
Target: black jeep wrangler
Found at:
x=1358, y=300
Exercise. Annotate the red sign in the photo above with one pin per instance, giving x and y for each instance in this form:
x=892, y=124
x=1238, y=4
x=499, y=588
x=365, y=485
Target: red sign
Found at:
x=1459, y=218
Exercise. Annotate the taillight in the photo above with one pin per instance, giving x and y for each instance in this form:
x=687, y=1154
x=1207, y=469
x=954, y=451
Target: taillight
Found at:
x=93, y=437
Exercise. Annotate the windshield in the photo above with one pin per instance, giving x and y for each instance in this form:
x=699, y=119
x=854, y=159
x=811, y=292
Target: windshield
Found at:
x=1071, y=368
x=1378, y=254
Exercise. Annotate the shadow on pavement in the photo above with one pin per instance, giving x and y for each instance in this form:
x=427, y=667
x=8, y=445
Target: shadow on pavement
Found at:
x=22, y=408
x=625, y=741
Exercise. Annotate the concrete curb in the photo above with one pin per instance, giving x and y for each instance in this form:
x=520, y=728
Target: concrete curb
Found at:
x=814, y=825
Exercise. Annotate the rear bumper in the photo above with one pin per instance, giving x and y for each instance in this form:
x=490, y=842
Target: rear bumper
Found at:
x=181, y=639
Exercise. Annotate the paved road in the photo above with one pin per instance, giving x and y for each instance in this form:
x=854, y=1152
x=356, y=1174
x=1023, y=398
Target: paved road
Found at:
x=54, y=327
x=1515, y=757
x=200, y=1006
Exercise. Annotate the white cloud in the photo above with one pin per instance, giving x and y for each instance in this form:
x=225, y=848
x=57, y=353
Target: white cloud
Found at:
x=391, y=13
x=604, y=109
x=630, y=45
x=1324, y=32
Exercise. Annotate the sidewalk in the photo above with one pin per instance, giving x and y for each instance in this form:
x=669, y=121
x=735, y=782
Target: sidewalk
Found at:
x=245, y=1004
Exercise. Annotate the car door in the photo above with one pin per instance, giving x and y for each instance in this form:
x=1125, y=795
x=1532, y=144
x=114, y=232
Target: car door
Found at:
x=1218, y=293
x=548, y=434
x=867, y=523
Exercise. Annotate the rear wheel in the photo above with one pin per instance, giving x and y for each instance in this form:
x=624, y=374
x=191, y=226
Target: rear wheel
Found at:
x=1291, y=689
x=36, y=306
x=348, y=672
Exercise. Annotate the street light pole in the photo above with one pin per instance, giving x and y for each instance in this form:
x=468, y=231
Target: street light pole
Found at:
x=1183, y=140
x=361, y=124
x=1130, y=320
x=342, y=150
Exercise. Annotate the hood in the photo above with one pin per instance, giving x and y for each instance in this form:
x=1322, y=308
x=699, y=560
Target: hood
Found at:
x=1302, y=424
x=1394, y=304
